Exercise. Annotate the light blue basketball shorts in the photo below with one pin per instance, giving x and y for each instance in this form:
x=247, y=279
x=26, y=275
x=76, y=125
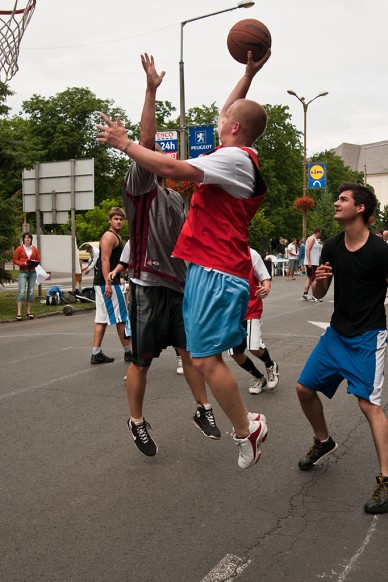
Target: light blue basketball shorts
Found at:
x=214, y=307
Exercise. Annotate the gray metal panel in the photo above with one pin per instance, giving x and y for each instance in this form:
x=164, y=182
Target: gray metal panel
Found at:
x=57, y=176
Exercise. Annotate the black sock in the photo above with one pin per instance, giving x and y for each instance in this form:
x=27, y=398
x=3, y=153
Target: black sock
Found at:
x=266, y=359
x=250, y=367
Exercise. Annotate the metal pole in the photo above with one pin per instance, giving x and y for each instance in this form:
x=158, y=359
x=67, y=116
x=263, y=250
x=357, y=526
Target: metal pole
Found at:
x=72, y=219
x=182, y=116
x=305, y=107
x=37, y=216
x=182, y=128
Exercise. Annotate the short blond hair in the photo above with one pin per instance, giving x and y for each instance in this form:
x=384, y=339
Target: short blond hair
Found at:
x=116, y=211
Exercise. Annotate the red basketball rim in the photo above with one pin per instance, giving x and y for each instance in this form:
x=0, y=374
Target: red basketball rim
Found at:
x=20, y=11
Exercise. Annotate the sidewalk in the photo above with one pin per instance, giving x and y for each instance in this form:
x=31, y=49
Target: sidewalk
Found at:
x=63, y=280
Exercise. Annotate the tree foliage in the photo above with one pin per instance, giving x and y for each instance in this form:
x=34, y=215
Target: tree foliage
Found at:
x=92, y=224
x=65, y=127
x=281, y=162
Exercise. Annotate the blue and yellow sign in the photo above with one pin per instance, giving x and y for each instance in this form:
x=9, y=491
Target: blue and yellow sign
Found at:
x=316, y=175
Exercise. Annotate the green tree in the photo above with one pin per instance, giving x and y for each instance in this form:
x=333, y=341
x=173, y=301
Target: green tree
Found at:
x=322, y=216
x=259, y=227
x=18, y=150
x=93, y=223
x=4, y=93
x=281, y=162
x=65, y=126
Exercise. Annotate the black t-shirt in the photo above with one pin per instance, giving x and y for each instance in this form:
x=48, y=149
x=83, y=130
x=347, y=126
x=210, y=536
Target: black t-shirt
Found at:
x=360, y=284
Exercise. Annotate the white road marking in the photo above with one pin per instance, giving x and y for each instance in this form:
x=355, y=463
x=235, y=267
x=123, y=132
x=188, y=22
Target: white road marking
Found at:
x=360, y=550
x=349, y=567
x=321, y=324
x=227, y=569
x=44, y=384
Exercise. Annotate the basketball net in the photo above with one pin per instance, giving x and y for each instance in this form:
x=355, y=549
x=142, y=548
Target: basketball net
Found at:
x=12, y=26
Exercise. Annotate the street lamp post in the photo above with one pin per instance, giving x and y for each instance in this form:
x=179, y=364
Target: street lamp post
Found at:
x=305, y=107
x=182, y=128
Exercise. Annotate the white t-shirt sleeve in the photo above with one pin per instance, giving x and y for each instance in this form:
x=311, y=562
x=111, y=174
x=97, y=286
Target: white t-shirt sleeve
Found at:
x=125, y=253
x=259, y=268
x=229, y=167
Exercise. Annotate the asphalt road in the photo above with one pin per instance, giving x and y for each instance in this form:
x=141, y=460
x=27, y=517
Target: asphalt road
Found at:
x=79, y=502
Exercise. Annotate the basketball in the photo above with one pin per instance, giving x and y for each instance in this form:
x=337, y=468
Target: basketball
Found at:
x=68, y=310
x=248, y=35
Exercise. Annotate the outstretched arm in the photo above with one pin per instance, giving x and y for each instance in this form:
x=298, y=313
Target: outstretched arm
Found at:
x=241, y=89
x=114, y=135
x=148, y=120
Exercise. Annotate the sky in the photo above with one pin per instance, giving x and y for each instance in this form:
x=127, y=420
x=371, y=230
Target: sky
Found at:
x=339, y=46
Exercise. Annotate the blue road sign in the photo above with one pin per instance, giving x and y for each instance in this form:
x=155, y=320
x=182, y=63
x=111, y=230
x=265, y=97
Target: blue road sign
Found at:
x=201, y=140
x=316, y=175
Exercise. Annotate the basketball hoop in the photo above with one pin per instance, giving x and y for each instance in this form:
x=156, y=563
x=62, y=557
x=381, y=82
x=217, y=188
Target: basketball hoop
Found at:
x=12, y=26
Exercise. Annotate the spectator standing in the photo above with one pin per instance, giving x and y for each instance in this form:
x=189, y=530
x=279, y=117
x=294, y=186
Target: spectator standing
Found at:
x=301, y=256
x=26, y=257
x=292, y=254
x=110, y=303
x=313, y=249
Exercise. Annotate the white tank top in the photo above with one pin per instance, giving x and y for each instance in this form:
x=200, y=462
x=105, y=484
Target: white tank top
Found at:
x=314, y=252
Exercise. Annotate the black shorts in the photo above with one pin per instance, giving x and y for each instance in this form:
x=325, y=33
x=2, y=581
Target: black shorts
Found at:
x=311, y=271
x=156, y=322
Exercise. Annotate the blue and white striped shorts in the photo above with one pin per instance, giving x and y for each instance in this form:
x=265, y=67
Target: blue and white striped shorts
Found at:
x=110, y=310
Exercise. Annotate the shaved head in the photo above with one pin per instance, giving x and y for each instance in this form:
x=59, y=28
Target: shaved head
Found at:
x=251, y=116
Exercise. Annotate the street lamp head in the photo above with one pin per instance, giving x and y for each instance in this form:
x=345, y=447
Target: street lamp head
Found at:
x=323, y=94
x=245, y=4
x=292, y=93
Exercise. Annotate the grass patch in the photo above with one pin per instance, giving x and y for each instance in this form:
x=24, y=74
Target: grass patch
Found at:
x=8, y=308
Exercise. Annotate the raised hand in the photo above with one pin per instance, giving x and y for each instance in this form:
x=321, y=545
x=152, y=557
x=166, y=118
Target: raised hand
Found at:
x=153, y=78
x=254, y=67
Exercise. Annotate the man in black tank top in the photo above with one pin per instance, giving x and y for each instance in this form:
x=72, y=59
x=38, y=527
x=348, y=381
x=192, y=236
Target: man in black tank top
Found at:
x=110, y=302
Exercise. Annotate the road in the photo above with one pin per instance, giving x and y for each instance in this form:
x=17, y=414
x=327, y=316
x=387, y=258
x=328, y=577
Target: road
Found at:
x=81, y=503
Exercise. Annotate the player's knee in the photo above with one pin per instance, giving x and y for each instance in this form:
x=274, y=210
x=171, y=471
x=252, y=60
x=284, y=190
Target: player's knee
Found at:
x=367, y=407
x=304, y=393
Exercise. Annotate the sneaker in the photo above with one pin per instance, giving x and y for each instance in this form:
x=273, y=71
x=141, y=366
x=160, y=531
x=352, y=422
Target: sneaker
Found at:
x=273, y=376
x=305, y=297
x=250, y=451
x=317, y=452
x=100, y=358
x=142, y=439
x=256, y=416
x=316, y=300
x=379, y=501
x=258, y=386
x=179, y=366
x=128, y=356
x=205, y=421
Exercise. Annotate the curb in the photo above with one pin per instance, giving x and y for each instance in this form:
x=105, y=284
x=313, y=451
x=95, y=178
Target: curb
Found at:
x=42, y=315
